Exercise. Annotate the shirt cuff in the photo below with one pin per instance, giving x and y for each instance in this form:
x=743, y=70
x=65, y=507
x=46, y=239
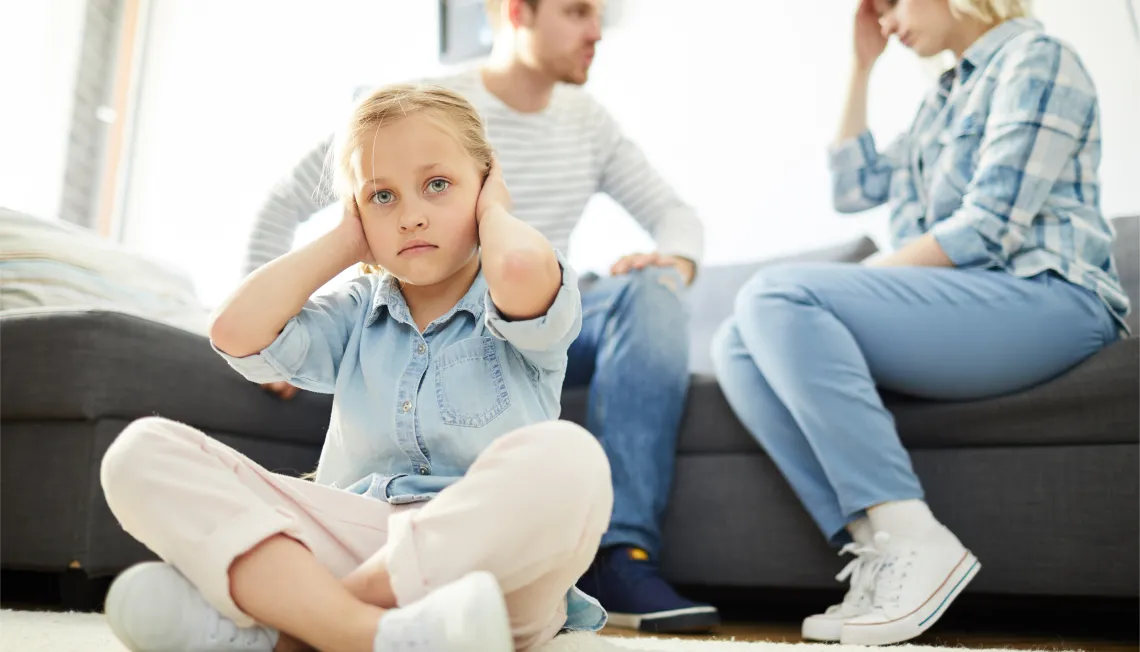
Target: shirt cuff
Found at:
x=685, y=239
x=545, y=331
x=960, y=239
x=278, y=361
x=853, y=153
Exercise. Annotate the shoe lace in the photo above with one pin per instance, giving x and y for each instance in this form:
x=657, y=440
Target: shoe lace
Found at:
x=861, y=571
x=891, y=574
x=223, y=629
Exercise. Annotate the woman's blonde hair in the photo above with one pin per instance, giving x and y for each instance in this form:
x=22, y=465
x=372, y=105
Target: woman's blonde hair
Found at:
x=990, y=11
x=391, y=103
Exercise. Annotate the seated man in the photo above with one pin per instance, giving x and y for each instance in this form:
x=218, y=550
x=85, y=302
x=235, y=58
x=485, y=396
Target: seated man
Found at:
x=557, y=147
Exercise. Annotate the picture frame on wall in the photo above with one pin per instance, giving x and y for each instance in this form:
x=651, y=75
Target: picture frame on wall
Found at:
x=464, y=31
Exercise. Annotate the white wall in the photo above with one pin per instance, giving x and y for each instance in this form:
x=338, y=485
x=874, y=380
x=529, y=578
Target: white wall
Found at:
x=39, y=58
x=232, y=94
x=1102, y=34
x=735, y=102
x=736, y=106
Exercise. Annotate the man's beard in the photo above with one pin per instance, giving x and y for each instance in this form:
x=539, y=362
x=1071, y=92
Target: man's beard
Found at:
x=574, y=77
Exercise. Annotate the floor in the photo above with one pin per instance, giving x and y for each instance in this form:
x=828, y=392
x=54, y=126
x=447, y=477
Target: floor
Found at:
x=976, y=621
x=789, y=633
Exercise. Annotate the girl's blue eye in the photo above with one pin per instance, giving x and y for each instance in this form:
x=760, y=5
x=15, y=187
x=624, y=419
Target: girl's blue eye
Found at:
x=383, y=197
x=438, y=185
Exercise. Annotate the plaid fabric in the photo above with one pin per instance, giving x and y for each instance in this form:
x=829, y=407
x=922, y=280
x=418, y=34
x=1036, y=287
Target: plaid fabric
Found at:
x=1000, y=165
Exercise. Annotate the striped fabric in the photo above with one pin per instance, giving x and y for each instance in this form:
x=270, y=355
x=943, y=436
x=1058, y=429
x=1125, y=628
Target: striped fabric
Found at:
x=553, y=161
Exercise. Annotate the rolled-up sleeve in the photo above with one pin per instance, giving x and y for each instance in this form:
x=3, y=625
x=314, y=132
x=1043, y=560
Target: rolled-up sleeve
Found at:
x=308, y=351
x=860, y=175
x=544, y=340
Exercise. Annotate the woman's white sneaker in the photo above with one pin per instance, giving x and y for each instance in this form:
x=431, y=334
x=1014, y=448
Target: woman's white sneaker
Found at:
x=915, y=582
x=151, y=607
x=828, y=626
x=468, y=615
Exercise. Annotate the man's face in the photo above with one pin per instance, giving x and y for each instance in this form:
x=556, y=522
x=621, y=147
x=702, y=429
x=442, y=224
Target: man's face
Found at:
x=558, y=37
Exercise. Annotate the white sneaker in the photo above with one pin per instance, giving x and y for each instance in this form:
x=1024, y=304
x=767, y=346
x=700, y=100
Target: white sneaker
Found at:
x=151, y=607
x=827, y=626
x=468, y=615
x=915, y=583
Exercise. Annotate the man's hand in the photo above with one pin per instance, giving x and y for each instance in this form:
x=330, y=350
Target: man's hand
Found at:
x=282, y=389
x=685, y=267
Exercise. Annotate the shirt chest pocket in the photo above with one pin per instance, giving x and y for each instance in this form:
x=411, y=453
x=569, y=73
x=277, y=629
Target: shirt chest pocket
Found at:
x=469, y=384
x=958, y=147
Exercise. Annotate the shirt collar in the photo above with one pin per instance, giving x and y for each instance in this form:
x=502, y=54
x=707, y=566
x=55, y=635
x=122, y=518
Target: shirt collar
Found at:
x=979, y=54
x=388, y=296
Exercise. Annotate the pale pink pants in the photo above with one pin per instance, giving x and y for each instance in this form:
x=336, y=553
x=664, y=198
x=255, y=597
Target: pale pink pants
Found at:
x=531, y=510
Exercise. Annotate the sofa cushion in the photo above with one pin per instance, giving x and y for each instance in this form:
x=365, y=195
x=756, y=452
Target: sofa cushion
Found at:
x=94, y=364
x=1094, y=403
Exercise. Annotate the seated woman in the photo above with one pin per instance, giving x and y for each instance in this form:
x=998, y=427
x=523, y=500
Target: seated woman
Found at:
x=1001, y=278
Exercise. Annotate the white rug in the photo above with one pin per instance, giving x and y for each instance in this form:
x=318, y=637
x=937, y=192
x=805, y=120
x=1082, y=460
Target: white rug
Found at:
x=25, y=631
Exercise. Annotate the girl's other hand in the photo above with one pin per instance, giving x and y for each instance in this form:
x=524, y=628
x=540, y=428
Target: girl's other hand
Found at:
x=352, y=230
x=494, y=192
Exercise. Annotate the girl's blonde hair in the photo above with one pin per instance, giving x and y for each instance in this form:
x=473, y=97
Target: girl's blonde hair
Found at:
x=990, y=11
x=389, y=104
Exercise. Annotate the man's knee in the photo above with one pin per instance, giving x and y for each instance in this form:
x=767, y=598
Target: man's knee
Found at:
x=657, y=288
x=653, y=312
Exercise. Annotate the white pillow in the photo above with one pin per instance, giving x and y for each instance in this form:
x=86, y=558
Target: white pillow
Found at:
x=45, y=263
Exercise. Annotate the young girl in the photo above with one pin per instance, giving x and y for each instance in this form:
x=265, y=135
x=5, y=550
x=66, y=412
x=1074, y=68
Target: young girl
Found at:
x=1002, y=278
x=449, y=511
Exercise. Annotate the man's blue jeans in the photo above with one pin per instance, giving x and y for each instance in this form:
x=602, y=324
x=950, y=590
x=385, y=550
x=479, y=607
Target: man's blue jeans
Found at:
x=633, y=353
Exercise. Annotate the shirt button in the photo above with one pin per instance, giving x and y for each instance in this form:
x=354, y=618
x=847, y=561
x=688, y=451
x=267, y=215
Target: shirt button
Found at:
x=422, y=348
x=407, y=406
x=423, y=470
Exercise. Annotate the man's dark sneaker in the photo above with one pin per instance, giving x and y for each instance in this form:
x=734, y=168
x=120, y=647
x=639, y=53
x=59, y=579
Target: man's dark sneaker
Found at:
x=628, y=585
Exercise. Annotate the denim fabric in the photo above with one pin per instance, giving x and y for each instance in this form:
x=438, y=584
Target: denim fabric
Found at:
x=633, y=352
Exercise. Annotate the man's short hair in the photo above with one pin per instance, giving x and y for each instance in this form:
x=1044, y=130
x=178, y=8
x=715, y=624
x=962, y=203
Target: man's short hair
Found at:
x=495, y=9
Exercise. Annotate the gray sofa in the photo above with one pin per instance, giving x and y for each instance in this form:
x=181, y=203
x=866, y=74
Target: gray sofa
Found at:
x=1042, y=484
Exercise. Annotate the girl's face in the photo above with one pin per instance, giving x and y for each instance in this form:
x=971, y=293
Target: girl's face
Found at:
x=924, y=26
x=417, y=189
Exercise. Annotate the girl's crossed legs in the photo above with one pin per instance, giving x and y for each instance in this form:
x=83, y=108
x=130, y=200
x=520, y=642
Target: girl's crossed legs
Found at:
x=280, y=551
